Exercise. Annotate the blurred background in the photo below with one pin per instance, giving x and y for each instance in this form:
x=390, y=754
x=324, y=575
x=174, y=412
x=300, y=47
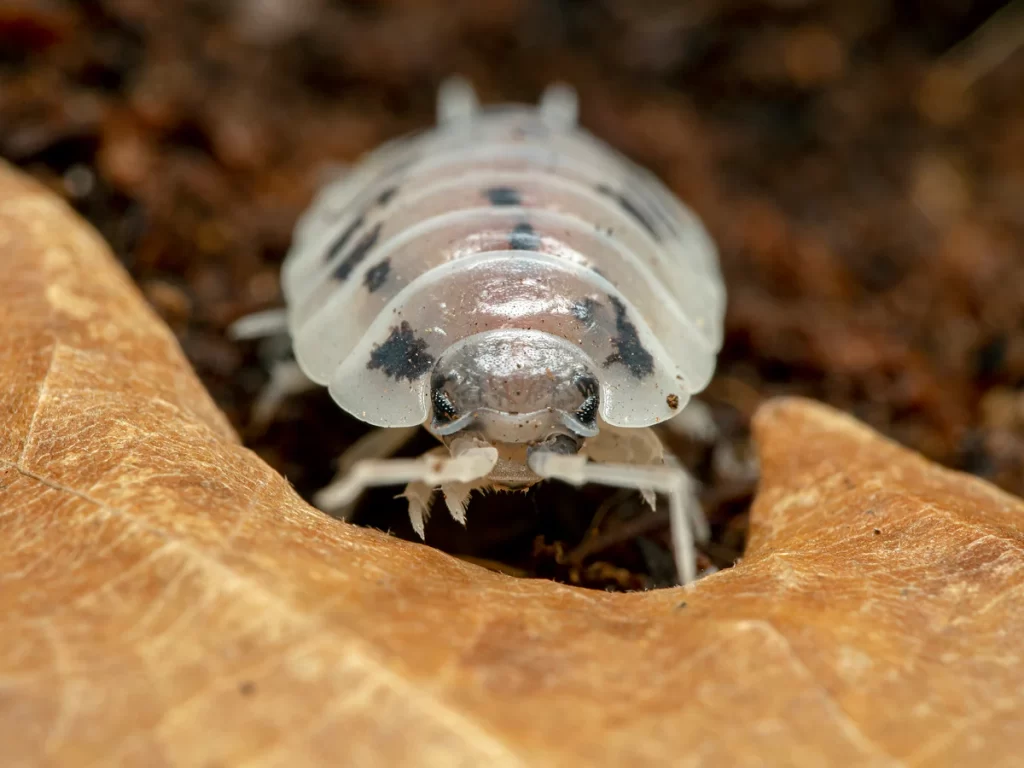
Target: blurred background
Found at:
x=860, y=164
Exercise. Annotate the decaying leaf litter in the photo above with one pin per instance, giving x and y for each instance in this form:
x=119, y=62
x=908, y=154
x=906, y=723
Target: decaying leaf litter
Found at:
x=857, y=193
x=167, y=598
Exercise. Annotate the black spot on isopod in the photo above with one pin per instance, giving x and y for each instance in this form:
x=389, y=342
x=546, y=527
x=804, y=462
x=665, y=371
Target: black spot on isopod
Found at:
x=402, y=355
x=385, y=196
x=584, y=309
x=377, y=275
x=357, y=254
x=627, y=205
x=342, y=240
x=628, y=349
x=523, y=238
x=503, y=196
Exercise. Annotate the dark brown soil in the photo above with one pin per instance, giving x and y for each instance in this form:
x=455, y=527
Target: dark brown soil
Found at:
x=859, y=164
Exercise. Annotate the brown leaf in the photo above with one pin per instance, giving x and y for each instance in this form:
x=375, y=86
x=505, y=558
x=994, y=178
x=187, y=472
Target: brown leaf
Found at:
x=166, y=598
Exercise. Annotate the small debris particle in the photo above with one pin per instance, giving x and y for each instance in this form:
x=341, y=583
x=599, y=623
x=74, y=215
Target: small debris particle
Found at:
x=673, y=401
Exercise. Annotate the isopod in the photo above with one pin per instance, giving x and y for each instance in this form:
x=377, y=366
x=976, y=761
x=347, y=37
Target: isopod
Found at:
x=530, y=296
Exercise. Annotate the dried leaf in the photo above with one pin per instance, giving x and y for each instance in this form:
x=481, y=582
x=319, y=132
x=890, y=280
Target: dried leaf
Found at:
x=166, y=598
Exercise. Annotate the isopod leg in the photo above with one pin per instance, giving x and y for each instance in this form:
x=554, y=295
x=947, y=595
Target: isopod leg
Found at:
x=375, y=444
x=421, y=494
x=628, y=446
x=685, y=513
x=419, y=497
x=695, y=512
x=429, y=470
x=286, y=380
x=380, y=443
x=259, y=325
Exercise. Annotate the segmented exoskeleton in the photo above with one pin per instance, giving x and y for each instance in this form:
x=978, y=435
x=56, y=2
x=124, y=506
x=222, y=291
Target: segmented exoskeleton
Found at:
x=527, y=294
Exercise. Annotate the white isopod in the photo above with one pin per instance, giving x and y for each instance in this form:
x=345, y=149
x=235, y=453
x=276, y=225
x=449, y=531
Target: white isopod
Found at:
x=530, y=296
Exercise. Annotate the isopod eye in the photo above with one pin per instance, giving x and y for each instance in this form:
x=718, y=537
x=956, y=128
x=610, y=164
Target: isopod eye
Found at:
x=444, y=409
x=583, y=420
x=587, y=413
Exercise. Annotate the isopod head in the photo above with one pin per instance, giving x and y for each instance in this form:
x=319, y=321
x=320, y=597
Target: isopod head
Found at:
x=518, y=390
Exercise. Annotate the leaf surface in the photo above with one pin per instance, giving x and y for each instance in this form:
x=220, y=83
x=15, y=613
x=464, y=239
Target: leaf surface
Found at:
x=167, y=599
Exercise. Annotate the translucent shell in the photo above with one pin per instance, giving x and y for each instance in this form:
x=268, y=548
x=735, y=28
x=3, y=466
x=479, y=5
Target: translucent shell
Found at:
x=502, y=221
